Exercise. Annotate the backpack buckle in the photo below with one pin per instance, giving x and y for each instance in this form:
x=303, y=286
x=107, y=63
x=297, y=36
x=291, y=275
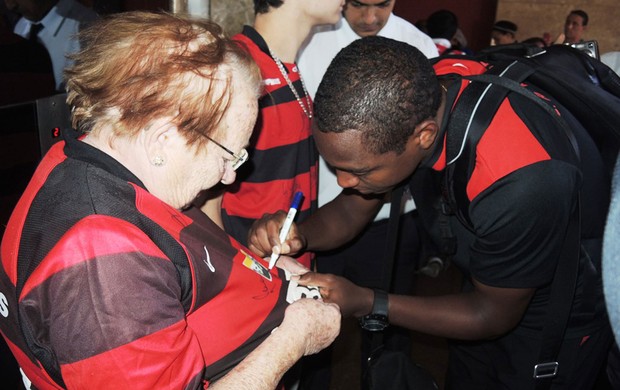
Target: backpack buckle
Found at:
x=546, y=370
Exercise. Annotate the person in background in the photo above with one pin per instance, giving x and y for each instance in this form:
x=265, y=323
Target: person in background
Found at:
x=25, y=67
x=360, y=19
x=283, y=157
x=504, y=32
x=611, y=275
x=55, y=24
x=459, y=42
x=442, y=26
x=612, y=59
x=360, y=260
x=535, y=41
x=575, y=26
x=110, y=278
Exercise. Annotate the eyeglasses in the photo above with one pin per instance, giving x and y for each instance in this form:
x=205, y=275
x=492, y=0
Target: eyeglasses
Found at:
x=239, y=159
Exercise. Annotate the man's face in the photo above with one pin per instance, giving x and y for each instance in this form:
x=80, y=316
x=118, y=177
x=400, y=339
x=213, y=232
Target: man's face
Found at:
x=367, y=17
x=500, y=38
x=358, y=169
x=573, y=28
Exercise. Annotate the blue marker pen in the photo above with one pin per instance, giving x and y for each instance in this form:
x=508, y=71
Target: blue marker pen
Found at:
x=286, y=227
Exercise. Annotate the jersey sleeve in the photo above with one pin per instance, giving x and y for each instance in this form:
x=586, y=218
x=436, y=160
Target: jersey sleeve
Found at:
x=520, y=224
x=112, y=303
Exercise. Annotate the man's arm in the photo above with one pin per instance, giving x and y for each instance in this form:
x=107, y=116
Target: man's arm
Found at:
x=340, y=220
x=333, y=225
x=484, y=313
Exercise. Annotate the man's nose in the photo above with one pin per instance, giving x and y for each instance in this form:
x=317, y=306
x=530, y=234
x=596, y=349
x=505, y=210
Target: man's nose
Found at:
x=369, y=15
x=346, y=180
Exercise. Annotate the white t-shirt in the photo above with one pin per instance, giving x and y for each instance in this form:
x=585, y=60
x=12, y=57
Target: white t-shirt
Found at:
x=315, y=56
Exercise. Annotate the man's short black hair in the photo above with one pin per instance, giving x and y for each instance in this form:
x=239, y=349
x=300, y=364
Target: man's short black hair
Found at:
x=262, y=6
x=442, y=24
x=381, y=87
x=583, y=14
x=505, y=26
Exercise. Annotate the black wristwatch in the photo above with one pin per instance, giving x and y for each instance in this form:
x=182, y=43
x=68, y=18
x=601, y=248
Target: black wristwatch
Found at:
x=377, y=320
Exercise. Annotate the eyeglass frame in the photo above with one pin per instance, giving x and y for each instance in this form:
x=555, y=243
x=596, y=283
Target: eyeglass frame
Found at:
x=239, y=159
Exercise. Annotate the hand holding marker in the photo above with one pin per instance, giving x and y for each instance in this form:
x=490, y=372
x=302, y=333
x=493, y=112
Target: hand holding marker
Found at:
x=286, y=227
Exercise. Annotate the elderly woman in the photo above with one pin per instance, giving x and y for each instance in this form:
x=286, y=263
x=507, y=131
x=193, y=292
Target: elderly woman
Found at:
x=109, y=279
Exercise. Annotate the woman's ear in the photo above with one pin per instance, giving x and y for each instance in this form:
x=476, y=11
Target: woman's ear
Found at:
x=159, y=139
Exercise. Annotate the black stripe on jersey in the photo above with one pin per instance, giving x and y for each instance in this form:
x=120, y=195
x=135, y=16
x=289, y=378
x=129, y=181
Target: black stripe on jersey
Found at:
x=275, y=163
x=282, y=95
x=118, y=309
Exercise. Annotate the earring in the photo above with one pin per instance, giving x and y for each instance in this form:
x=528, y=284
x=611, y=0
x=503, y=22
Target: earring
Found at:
x=158, y=161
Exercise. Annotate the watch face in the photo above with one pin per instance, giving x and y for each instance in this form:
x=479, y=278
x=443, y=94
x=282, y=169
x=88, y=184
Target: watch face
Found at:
x=374, y=322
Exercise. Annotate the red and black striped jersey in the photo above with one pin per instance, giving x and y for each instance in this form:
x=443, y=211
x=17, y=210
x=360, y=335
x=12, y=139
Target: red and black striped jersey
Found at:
x=283, y=156
x=118, y=289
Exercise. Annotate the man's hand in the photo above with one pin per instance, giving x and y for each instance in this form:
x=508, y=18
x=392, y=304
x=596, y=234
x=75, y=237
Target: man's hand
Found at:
x=352, y=299
x=263, y=237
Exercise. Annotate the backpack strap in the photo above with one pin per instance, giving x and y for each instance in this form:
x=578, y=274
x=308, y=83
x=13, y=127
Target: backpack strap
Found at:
x=471, y=116
x=389, y=253
x=560, y=303
x=392, y=237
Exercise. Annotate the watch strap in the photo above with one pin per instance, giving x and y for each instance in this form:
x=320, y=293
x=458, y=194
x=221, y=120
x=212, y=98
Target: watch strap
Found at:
x=380, y=303
x=377, y=319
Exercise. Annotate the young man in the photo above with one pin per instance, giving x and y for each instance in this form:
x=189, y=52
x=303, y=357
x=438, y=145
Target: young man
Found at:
x=575, y=26
x=504, y=33
x=283, y=158
x=358, y=260
x=522, y=192
x=442, y=26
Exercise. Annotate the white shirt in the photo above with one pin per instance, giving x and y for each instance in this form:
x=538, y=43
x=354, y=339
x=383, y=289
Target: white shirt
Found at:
x=316, y=55
x=612, y=59
x=60, y=26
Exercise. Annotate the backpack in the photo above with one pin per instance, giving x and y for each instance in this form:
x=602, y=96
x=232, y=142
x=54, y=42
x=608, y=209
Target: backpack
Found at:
x=586, y=87
x=590, y=91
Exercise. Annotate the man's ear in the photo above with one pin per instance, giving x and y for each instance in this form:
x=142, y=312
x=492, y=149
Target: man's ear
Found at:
x=426, y=132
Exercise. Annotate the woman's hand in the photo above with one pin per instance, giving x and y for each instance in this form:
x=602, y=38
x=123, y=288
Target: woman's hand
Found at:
x=312, y=324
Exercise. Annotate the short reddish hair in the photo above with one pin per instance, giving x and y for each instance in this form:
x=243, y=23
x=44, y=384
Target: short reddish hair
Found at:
x=138, y=66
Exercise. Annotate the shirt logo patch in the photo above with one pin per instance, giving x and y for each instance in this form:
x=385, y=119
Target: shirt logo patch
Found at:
x=251, y=263
x=272, y=81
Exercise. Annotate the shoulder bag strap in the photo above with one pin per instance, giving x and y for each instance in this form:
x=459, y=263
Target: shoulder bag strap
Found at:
x=390, y=251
